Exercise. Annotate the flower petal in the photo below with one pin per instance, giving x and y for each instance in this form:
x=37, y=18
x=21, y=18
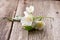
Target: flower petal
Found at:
x=30, y=9
x=27, y=9
x=25, y=22
x=26, y=13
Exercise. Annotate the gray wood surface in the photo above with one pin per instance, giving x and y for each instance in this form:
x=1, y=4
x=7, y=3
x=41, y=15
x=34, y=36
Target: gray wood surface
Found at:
x=52, y=29
x=17, y=32
x=7, y=9
x=13, y=30
x=42, y=8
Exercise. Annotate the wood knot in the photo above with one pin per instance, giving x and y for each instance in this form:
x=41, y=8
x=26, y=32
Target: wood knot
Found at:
x=57, y=12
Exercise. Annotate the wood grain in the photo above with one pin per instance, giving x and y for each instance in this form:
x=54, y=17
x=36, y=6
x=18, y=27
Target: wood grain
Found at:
x=7, y=9
x=43, y=0
x=55, y=13
x=42, y=8
x=17, y=32
x=52, y=29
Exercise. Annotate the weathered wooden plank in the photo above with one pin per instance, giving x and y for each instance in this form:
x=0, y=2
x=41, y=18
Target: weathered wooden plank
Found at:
x=17, y=32
x=7, y=9
x=55, y=13
x=52, y=29
x=41, y=8
x=43, y=0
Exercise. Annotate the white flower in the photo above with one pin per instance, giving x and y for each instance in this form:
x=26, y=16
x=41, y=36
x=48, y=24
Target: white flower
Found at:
x=30, y=9
x=26, y=21
x=28, y=18
x=40, y=25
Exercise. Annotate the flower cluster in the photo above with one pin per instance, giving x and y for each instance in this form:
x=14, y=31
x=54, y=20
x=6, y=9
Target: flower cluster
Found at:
x=28, y=18
x=29, y=21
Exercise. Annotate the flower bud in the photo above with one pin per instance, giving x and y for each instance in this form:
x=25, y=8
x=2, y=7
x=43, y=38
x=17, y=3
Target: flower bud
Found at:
x=39, y=25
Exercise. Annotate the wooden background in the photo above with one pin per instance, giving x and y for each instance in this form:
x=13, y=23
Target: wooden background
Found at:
x=13, y=30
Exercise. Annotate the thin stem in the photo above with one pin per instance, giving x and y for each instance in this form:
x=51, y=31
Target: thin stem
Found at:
x=42, y=17
x=11, y=19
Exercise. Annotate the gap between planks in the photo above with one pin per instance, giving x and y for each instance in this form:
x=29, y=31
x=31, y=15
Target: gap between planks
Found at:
x=13, y=21
x=45, y=9
x=7, y=9
x=17, y=32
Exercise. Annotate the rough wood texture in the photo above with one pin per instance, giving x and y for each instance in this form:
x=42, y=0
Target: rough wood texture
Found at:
x=17, y=32
x=42, y=8
x=43, y=0
x=55, y=13
x=52, y=29
x=7, y=9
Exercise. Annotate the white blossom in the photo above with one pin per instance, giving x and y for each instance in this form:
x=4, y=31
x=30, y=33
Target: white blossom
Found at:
x=26, y=21
x=30, y=9
x=40, y=25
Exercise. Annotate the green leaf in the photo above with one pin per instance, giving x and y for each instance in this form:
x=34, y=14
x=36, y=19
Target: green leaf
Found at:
x=39, y=18
x=42, y=17
x=28, y=28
